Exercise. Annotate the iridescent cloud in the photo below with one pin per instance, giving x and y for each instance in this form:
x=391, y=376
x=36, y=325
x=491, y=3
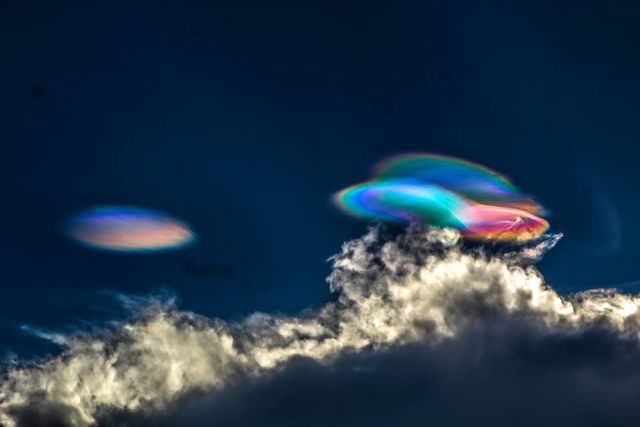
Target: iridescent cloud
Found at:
x=445, y=192
x=500, y=223
x=473, y=181
x=404, y=201
x=128, y=229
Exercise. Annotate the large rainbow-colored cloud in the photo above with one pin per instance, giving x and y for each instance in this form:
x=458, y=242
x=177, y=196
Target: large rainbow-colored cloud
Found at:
x=446, y=192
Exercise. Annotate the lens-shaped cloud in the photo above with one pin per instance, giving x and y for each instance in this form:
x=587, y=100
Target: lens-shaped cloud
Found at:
x=500, y=223
x=445, y=192
x=470, y=180
x=128, y=229
x=401, y=200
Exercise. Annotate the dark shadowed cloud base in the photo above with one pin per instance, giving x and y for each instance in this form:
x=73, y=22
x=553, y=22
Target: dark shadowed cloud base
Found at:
x=501, y=376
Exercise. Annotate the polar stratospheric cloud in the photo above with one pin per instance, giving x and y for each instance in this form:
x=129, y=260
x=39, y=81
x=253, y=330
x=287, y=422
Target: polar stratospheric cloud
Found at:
x=423, y=286
x=446, y=192
x=128, y=229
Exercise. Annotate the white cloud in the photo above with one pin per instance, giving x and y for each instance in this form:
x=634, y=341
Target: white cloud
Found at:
x=54, y=337
x=422, y=286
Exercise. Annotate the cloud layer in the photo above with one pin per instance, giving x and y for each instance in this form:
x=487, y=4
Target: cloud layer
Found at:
x=419, y=300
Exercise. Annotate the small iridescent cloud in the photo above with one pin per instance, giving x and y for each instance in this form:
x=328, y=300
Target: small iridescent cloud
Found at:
x=128, y=229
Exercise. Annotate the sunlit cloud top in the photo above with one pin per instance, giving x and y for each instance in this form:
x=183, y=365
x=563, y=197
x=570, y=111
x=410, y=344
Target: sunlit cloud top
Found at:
x=128, y=229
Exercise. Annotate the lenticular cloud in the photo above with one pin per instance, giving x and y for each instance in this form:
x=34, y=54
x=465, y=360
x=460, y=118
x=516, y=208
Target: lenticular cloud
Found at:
x=447, y=192
x=421, y=286
x=128, y=229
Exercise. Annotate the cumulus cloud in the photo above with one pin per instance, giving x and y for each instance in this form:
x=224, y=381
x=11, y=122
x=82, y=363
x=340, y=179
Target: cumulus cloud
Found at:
x=420, y=301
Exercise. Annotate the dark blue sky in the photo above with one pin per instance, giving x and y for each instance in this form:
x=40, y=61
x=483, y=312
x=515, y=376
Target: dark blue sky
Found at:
x=242, y=118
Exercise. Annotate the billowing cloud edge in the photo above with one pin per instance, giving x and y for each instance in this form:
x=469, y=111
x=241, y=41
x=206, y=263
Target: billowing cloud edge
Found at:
x=421, y=286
